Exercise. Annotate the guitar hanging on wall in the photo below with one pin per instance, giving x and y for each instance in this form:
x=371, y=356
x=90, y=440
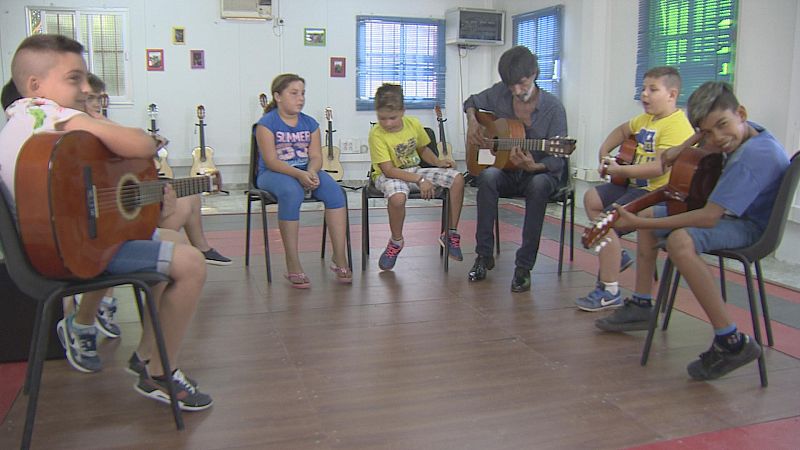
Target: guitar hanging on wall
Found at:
x=202, y=156
x=104, y=101
x=162, y=166
x=330, y=154
x=445, y=149
x=262, y=98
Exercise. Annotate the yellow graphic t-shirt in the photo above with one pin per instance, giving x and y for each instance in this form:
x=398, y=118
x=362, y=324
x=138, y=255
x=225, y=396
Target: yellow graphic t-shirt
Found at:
x=399, y=147
x=653, y=136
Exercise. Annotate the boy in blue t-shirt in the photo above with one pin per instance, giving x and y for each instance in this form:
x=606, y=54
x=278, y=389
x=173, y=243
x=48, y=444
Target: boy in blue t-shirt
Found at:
x=735, y=215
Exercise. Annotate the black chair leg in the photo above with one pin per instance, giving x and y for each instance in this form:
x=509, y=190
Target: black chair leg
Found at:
x=37, y=362
x=572, y=227
x=447, y=218
x=666, y=275
x=762, y=366
x=32, y=349
x=247, y=234
x=671, y=300
x=162, y=350
x=347, y=236
x=267, y=259
x=561, y=237
x=324, y=235
x=364, y=229
x=764, y=306
x=722, y=285
x=497, y=228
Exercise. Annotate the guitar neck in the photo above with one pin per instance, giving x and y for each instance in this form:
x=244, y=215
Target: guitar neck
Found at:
x=595, y=233
x=529, y=145
x=153, y=191
x=202, y=141
x=329, y=139
x=441, y=136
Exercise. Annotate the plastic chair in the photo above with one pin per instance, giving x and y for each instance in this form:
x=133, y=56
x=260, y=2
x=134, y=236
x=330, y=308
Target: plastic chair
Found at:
x=565, y=195
x=748, y=256
x=254, y=194
x=48, y=294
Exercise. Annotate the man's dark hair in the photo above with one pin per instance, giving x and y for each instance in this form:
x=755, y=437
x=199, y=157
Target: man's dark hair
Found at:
x=517, y=63
x=97, y=84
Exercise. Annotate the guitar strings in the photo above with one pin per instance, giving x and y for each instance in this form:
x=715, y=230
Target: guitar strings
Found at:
x=145, y=193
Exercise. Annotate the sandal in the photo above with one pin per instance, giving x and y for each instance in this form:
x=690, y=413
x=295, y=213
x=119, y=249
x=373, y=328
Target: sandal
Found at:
x=298, y=280
x=343, y=274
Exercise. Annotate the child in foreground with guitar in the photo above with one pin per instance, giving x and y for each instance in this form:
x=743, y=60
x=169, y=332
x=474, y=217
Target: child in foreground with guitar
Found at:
x=662, y=125
x=289, y=163
x=536, y=175
x=735, y=216
x=50, y=73
x=396, y=146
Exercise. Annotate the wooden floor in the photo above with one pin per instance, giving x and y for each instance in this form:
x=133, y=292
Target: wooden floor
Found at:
x=410, y=359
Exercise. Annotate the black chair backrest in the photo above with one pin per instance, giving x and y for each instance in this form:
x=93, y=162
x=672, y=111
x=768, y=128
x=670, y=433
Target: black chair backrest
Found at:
x=19, y=268
x=251, y=177
x=434, y=148
x=771, y=238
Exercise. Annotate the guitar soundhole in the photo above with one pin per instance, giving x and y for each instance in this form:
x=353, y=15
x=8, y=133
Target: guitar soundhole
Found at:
x=128, y=197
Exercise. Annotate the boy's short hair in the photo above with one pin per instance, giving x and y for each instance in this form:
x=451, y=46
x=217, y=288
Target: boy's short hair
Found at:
x=389, y=96
x=517, y=63
x=710, y=96
x=671, y=76
x=96, y=83
x=39, y=44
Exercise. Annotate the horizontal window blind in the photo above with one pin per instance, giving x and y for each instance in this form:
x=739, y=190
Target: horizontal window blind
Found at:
x=541, y=32
x=698, y=37
x=406, y=51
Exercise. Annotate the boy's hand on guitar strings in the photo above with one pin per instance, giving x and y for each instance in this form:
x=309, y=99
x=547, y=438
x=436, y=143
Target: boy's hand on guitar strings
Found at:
x=669, y=156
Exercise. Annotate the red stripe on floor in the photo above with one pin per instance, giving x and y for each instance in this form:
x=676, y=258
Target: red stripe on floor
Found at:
x=775, y=435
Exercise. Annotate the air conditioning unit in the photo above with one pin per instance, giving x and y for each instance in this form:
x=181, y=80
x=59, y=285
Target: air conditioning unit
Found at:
x=246, y=9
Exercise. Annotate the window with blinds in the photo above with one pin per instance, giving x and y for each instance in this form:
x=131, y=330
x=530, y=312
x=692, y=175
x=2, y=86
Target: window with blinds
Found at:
x=400, y=50
x=698, y=37
x=540, y=31
x=102, y=34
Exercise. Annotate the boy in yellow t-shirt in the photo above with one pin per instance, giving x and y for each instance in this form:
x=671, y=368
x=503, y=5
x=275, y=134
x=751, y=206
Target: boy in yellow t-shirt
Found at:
x=661, y=126
x=396, y=146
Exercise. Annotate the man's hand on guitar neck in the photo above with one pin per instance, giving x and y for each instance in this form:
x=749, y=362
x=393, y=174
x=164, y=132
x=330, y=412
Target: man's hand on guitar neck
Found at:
x=669, y=156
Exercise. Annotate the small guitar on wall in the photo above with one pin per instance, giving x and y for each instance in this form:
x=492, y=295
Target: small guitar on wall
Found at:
x=330, y=153
x=104, y=101
x=445, y=149
x=262, y=98
x=202, y=156
x=162, y=166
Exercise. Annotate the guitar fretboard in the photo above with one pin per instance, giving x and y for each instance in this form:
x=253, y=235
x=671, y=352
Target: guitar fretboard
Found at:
x=153, y=191
x=531, y=145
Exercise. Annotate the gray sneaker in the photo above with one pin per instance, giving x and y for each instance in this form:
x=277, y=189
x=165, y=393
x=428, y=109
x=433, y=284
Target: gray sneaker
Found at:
x=105, y=321
x=137, y=366
x=631, y=317
x=189, y=398
x=80, y=345
x=214, y=257
x=718, y=361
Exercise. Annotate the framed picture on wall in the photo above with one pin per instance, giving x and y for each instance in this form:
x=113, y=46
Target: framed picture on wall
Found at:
x=178, y=35
x=197, y=59
x=314, y=36
x=338, y=67
x=155, y=59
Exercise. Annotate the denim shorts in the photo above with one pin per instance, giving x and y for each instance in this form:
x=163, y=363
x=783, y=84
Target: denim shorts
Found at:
x=729, y=232
x=142, y=256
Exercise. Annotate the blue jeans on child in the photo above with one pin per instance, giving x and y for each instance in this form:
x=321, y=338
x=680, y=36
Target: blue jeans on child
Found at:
x=729, y=232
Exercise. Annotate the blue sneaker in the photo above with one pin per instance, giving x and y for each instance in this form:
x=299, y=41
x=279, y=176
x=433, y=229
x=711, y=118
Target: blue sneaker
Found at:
x=625, y=262
x=105, y=318
x=453, y=243
x=599, y=299
x=80, y=345
x=389, y=256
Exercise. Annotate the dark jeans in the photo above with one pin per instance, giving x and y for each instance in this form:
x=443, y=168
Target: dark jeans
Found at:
x=536, y=188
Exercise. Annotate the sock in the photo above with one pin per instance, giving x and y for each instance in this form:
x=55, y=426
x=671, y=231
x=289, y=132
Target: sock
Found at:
x=645, y=301
x=729, y=338
x=397, y=241
x=108, y=300
x=80, y=327
x=612, y=288
x=453, y=230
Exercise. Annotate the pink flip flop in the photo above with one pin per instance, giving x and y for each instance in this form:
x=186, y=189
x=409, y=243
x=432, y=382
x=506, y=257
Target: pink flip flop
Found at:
x=298, y=280
x=343, y=274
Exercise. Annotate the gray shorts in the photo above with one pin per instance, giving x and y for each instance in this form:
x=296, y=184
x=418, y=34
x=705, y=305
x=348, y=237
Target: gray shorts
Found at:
x=729, y=232
x=440, y=177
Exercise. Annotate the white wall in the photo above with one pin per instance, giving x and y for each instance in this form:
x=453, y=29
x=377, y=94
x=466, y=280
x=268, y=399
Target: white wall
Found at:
x=243, y=57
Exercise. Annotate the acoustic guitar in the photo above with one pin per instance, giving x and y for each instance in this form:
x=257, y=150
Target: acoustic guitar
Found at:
x=694, y=175
x=624, y=157
x=445, y=149
x=162, y=166
x=503, y=135
x=262, y=98
x=202, y=156
x=77, y=202
x=330, y=154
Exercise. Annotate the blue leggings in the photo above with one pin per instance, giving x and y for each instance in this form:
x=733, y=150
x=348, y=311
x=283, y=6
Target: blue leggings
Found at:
x=289, y=192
